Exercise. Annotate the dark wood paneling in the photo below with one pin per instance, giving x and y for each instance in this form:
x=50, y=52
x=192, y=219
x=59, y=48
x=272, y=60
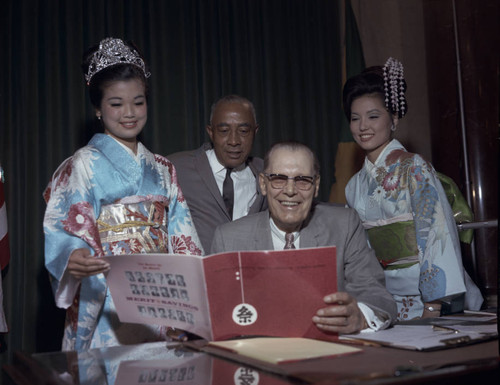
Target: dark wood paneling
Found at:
x=477, y=26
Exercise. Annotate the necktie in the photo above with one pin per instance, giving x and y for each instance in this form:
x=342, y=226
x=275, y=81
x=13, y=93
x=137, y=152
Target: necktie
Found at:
x=289, y=241
x=228, y=192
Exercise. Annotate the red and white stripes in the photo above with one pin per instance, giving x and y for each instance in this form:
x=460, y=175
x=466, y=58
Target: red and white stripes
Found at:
x=4, y=238
x=4, y=249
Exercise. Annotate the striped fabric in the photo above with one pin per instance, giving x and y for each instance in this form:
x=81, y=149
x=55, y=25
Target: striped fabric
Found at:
x=4, y=256
x=4, y=239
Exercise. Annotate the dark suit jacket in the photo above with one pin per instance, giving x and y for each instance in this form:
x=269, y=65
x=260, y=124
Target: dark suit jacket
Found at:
x=358, y=270
x=202, y=194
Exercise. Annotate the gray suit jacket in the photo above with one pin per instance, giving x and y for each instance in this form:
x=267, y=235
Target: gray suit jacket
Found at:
x=358, y=270
x=202, y=194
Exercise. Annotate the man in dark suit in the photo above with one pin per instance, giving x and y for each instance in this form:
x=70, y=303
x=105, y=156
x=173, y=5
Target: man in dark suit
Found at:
x=203, y=173
x=290, y=182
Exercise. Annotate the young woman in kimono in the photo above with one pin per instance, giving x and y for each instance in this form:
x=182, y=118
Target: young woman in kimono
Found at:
x=111, y=197
x=402, y=203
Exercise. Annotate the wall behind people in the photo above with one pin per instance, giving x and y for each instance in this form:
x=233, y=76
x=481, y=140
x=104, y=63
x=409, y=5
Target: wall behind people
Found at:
x=282, y=55
x=464, y=106
x=396, y=28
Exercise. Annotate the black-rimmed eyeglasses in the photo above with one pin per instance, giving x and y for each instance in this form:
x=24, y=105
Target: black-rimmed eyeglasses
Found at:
x=279, y=181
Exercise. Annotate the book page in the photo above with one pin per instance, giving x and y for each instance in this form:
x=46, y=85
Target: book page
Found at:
x=160, y=289
x=282, y=350
x=226, y=295
x=269, y=293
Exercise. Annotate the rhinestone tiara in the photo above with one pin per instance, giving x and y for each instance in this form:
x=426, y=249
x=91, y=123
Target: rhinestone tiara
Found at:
x=111, y=52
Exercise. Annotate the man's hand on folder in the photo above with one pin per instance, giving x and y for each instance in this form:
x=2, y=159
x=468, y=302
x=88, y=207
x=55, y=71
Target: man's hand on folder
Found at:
x=342, y=316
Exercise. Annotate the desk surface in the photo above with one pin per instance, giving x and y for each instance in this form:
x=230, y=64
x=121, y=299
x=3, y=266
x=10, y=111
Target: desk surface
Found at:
x=161, y=364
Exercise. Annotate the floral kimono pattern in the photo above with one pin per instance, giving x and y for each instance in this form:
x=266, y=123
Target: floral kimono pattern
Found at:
x=411, y=227
x=104, y=200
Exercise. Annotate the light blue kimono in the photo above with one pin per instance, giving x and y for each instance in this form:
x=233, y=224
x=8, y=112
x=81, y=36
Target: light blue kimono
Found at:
x=401, y=187
x=91, y=195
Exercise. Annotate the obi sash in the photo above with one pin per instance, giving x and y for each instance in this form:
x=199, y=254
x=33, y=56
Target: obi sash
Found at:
x=395, y=244
x=139, y=227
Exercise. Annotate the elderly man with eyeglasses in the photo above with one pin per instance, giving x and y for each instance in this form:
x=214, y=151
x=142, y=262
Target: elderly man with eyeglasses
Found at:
x=290, y=182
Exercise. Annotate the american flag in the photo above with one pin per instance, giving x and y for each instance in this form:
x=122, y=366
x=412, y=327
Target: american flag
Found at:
x=4, y=236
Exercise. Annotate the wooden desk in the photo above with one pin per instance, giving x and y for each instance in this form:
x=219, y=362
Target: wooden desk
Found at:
x=375, y=365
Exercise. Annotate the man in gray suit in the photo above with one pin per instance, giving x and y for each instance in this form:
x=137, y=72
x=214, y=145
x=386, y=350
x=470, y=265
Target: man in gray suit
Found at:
x=203, y=173
x=290, y=181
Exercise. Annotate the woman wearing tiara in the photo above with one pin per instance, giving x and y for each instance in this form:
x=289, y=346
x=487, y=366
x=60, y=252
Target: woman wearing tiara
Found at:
x=402, y=203
x=111, y=197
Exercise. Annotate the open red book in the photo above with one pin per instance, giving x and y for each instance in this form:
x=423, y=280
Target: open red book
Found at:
x=226, y=295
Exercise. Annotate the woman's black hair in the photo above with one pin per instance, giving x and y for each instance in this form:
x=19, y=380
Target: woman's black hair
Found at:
x=370, y=81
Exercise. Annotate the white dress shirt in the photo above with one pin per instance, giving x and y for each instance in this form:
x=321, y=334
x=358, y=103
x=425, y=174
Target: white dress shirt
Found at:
x=245, y=188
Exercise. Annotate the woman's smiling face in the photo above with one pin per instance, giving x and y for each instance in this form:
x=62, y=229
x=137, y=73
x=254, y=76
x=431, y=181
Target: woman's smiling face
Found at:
x=124, y=110
x=370, y=124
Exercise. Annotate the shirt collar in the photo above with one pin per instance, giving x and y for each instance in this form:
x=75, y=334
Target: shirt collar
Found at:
x=281, y=234
x=216, y=166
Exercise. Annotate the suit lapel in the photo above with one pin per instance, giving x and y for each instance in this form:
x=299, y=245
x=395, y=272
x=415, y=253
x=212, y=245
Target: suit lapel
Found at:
x=310, y=236
x=207, y=176
x=260, y=202
x=262, y=238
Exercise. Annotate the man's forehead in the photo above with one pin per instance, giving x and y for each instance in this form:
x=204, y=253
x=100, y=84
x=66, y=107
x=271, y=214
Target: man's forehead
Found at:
x=231, y=107
x=284, y=157
x=237, y=109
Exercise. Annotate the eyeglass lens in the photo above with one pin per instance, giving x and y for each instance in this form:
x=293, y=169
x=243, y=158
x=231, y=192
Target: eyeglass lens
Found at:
x=301, y=182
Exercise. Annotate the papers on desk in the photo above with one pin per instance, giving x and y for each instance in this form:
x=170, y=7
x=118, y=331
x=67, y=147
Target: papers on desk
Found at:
x=282, y=350
x=434, y=333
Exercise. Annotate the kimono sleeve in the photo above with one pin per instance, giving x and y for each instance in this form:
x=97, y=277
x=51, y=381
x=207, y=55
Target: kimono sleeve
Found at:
x=69, y=221
x=437, y=239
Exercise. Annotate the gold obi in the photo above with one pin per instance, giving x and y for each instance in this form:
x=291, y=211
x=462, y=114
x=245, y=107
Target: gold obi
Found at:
x=133, y=228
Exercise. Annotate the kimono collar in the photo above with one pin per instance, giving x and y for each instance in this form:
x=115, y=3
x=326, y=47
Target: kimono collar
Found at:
x=394, y=144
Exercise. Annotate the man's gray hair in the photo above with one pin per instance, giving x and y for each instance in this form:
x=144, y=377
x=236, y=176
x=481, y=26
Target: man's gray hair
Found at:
x=233, y=99
x=293, y=146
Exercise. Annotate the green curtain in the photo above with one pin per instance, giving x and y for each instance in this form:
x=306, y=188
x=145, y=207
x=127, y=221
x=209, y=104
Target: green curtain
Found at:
x=349, y=156
x=284, y=55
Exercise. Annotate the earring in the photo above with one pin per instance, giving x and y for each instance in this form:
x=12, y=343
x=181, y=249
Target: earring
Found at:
x=99, y=118
x=393, y=128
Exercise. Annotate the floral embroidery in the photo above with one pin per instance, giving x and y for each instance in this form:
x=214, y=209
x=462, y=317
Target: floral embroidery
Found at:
x=72, y=312
x=192, y=246
x=47, y=193
x=390, y=182
x=173, y=173
x=184, y=245
x=378, y=194
x=406, y=304
x=65, y=174
x=81, y=222
x=162, y=160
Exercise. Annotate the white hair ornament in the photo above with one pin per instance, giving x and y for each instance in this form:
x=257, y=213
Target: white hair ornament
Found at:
x=394, y=86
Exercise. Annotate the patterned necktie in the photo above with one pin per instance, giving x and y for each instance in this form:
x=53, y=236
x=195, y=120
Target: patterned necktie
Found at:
x=289, y=241
x=228, y=192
